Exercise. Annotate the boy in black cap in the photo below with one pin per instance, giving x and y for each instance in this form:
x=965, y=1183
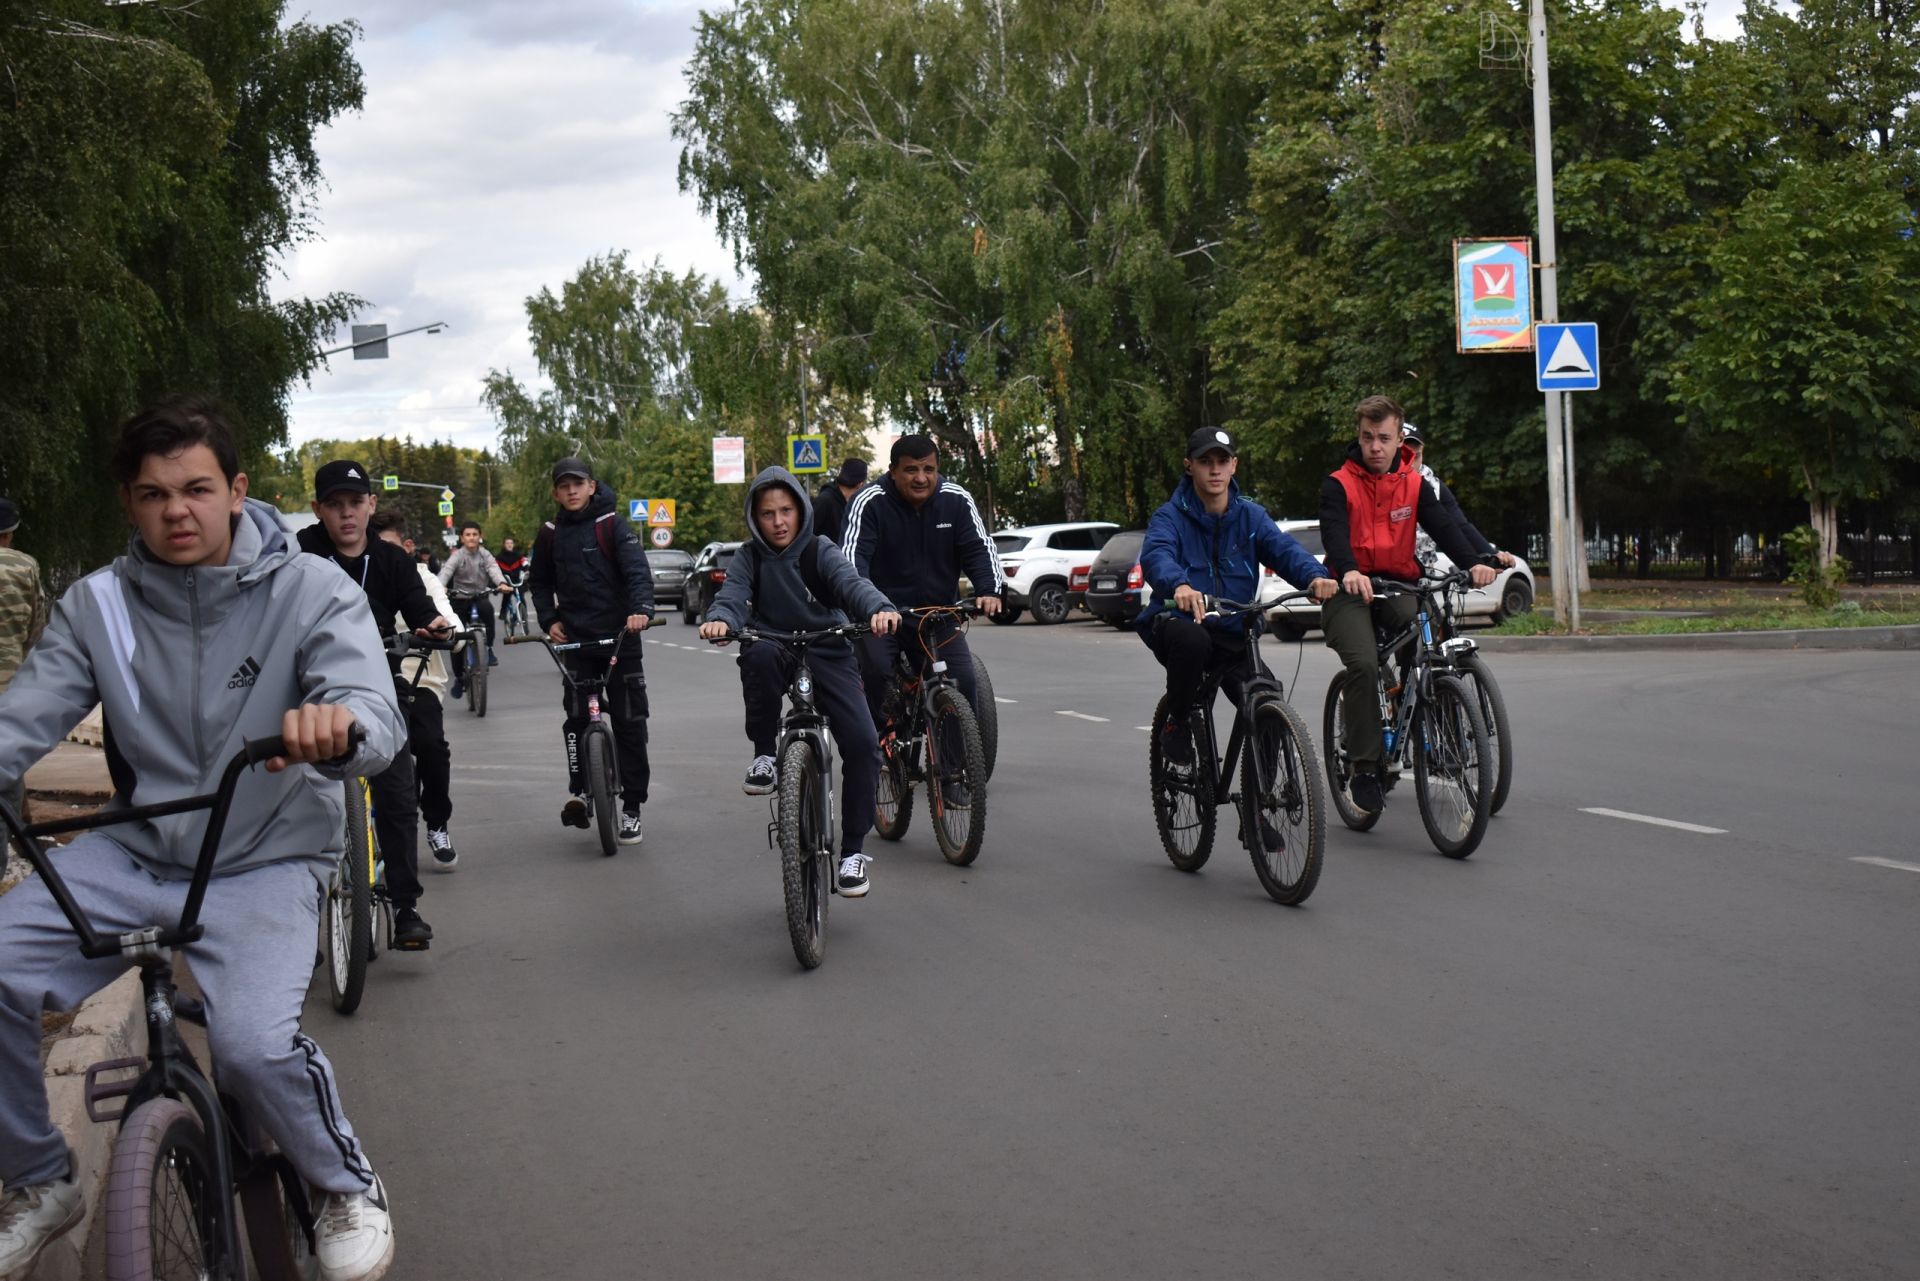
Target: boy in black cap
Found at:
x=830, y=508
x=589, y=580
x=343, y=499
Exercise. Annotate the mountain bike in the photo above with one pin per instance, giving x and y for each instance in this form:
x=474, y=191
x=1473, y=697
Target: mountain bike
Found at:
x=1471, y=665
x=1432, y=725
x=472, y=665
x=513, y=611
x=1282, y=818
x=356, y=916
x=185, y=1153
x=932, y=737
x=599, y=763
x=805, y=827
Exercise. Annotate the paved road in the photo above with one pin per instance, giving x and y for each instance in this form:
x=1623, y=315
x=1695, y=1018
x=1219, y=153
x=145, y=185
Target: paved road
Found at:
x=1600, y=1047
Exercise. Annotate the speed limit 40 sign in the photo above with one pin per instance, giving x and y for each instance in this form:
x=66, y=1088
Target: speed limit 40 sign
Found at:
x=662, y=536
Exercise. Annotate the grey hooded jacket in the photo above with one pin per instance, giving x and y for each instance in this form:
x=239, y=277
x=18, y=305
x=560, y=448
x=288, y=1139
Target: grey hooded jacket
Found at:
x=785, y=603
x=188, y=662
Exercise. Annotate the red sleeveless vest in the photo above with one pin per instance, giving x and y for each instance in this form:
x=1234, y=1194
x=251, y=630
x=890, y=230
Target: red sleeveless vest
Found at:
x=1382, y=516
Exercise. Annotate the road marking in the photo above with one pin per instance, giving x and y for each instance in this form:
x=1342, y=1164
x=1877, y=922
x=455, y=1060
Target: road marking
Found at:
x=1082, y=716
x=1895, y=864
x=1144, y=729
x=998, y=699
x=1657, y=822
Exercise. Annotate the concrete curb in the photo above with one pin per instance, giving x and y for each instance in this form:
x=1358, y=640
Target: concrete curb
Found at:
x=108, y=1025
x=1828, y=638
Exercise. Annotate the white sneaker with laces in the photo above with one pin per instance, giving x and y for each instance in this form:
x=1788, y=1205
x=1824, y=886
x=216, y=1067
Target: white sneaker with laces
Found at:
x=440, y=844
x=355, y=1235
x=852, y=880
x=30, y=1218
x=760, y=777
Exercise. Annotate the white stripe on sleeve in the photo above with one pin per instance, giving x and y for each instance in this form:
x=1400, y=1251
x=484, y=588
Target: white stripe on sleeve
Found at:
x=110, y=595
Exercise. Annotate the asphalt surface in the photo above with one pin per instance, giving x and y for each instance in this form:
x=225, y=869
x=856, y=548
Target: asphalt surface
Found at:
x=1598, y=1048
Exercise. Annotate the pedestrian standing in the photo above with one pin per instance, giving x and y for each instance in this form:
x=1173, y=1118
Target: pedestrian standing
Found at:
x=830, y=508
x=23, y=616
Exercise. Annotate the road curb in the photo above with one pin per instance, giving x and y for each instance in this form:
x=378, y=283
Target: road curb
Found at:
x=1905, y=637
x=106, y=1026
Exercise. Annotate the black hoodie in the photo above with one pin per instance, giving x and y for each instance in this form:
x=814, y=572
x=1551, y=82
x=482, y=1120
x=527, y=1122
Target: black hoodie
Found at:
x=385, y=572
x=593, y=563
x=772, y=588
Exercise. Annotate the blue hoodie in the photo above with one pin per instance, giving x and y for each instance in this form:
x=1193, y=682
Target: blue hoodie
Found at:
x=1219, y=555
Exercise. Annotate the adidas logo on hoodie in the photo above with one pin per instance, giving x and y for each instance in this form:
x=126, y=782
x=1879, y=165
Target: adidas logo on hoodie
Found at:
x=245, y=675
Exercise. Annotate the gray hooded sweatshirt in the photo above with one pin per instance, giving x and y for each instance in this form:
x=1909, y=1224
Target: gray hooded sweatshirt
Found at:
x=785, y=601
x=186, y=663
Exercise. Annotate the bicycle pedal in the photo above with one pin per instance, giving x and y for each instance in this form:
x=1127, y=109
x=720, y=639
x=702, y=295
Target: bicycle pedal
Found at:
x=415, y=945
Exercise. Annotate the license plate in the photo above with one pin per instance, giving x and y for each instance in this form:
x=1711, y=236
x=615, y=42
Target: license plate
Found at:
x=1105, y=584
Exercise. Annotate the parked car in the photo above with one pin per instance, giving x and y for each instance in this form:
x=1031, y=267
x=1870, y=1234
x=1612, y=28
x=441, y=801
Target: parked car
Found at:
x=1038, y=561
x=670, y=567
x=704, y=577
x=1116, y=589
x=1509, y=594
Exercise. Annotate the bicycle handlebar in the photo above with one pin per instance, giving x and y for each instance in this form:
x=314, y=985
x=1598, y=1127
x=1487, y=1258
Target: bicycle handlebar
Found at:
x=791, y=638
x=1427, y=583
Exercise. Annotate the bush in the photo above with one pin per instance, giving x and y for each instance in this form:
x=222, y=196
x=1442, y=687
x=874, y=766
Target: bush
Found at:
x=1819, y=584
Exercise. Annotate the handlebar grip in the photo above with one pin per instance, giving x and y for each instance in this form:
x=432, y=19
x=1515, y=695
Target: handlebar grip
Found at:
x=260, y=750
x=522, y=640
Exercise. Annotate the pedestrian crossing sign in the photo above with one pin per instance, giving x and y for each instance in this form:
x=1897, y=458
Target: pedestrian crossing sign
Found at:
x=1567, y=357
x=806, y=454
x=636, y=509
x=446, y=508
x=390, y=481
x=661, y=512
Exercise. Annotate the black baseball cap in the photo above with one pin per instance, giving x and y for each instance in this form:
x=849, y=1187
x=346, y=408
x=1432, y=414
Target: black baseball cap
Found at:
x=1207, y=440
x=1411, y=434
x=9, y=516
x=571, y=467
x=340, y=474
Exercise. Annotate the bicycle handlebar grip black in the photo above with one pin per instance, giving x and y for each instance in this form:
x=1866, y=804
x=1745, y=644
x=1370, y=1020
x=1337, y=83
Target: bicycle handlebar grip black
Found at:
x=260, y=750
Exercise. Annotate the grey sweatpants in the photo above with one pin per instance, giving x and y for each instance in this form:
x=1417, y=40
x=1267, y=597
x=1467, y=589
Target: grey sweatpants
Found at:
x=252, y=967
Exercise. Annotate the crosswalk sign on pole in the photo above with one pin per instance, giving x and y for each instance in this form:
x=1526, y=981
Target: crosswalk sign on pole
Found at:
x=446, y=508
x=636, y=509
x=390, y=481
x=806, y=454
x=1567, y=357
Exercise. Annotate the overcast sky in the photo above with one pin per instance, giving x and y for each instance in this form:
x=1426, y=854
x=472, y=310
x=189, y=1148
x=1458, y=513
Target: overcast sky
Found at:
x=502, y=144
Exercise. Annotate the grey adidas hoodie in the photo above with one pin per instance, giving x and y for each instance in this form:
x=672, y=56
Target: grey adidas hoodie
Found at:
x=188, y=662
x=784, y=602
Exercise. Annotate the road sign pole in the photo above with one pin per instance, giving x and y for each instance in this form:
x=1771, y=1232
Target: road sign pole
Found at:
x=1560, y=551
x=1578, y=543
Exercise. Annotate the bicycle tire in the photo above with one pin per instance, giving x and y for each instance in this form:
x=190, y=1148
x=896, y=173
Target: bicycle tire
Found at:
x=987, y=713
x=348, y=938
x=1282, y=784
x=163, y=1217
x=1451, y=732
x=805, y=875
x=1339, y=771
x=1493, y=710
x=893, y=801
x=949, y=704
x=1189, y=854
x=601, y=786
x=276, y=1241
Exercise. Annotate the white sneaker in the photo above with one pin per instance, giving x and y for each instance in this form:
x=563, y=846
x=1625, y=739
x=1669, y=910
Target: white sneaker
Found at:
x=760, y=778
x=440, y=845
x=30, y=1218
x=355, y=1235
x=852, y=880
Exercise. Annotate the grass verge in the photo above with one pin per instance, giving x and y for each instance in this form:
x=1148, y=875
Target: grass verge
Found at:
x=1760, y=620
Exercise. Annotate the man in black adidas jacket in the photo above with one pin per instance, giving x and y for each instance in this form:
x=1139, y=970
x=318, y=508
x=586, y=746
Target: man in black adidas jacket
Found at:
x=344, y=501
x=590, y=581
x=911, y=534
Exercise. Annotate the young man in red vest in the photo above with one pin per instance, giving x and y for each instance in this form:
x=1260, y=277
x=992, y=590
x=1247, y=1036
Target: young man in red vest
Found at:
x=1370, y=512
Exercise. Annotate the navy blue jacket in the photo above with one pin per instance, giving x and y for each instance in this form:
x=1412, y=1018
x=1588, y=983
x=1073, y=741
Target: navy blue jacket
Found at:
x=589, y=570
x=1218, y=555
x=915, y=555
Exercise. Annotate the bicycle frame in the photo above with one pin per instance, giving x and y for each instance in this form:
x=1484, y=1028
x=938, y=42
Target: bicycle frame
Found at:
x=1255, y=680
x=590, y=689
x=920, y=685
x=1429, y=654
x=803, y=721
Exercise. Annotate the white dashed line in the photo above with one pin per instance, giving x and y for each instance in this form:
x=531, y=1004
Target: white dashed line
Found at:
x=1082, y=716
x=1657, y=822
x=1895, y=864
x=1144, y=729
x=998, y=699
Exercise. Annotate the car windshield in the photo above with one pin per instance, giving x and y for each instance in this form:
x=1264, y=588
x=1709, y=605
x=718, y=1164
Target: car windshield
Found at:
x=1004, y=543
x=1122, y=549
x=669, y=560
x=1309, y=539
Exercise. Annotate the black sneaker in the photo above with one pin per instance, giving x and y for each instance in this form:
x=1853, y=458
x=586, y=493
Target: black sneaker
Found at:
x=1270, y=839
x=760, y=777
x=440, y=844
x=410, y=933
x=1176, y=742
x=851, y=879
x=955, y=794
x=1366, y=792
x=630, y=826
x=576, y=812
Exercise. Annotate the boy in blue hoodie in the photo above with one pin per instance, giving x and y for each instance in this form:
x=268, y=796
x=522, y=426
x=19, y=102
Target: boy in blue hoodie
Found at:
x=1209, y=541
x=787, y=579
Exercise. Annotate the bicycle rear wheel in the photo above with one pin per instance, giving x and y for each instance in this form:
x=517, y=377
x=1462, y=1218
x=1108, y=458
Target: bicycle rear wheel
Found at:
x=601, y=786
x=164, y=1217
x=1281, y=822
x=1184, y=808
x=348, y=939
x=276, y=1240
x=986, y=711
x=805, y=864
x=893, y=803
x=1452, y=768
x=1493, y=711
x=957, y=828
x=1339, y=764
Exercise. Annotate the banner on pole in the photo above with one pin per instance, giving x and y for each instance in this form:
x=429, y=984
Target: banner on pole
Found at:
x=1493, y=295
x=729, y=460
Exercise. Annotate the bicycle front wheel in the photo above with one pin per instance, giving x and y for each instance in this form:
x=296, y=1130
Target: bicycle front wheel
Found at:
x=1183, y=798
x=1493, y=711
x=805, y=866
x=1452, y=768
x=1282, y=822
x=1339, y=764
x=349, y=907
x=600, y=786
x=986, y=711
x=893, y=803
x=164, y=1217
x=956, y=778
x=477, y=688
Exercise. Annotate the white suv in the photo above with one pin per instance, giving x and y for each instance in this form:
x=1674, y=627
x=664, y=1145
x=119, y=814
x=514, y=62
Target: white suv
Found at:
x=1039, y=560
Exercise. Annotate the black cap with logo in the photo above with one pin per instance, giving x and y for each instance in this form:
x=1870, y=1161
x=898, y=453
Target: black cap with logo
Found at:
x=1411, y=434
x=1207, y=440
x=571, y=467
x=338, y=475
